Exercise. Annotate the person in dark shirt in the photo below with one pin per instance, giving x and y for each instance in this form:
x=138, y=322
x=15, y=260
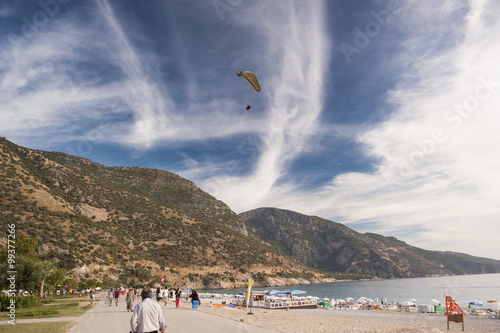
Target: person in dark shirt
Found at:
x=117, y=296
x=195, y=300
x=177, y=297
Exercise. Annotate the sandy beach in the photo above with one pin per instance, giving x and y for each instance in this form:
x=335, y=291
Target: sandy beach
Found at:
x=373, y=321
x=207, y=319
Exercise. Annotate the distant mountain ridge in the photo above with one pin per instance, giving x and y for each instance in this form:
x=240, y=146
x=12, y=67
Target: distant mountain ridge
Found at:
x=331, y=246
x=133, y=224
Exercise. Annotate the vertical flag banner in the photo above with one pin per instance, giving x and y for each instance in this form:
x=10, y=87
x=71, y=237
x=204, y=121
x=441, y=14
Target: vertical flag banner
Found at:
x=250, y=284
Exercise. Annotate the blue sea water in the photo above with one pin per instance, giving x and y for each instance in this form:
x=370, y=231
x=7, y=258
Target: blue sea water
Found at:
x=463, y=288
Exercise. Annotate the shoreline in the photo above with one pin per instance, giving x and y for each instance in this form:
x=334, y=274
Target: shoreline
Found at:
x=369, y=321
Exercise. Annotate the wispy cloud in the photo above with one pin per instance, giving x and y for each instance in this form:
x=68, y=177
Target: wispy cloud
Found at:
x=5, y=10
x=152, y=107
x=43, y=86
x=293, y=60
x=438, y=151
x=99, y=72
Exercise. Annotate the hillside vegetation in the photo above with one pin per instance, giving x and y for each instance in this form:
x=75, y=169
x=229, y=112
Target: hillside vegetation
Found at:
x=133, y=225
x=101, y=222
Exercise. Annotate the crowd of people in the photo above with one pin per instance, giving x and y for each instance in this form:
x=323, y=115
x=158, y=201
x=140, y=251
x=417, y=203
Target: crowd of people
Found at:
x=161, y=295
x=147, y=315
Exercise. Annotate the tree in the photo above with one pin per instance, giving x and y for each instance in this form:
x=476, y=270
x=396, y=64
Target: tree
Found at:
x=71, y=283
x=56, y=276
x=25, y=246
x=91, y=283
x=28, y=277
x=47, y=268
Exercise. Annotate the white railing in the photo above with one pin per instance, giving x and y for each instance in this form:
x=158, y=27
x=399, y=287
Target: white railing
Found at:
x=290, y=304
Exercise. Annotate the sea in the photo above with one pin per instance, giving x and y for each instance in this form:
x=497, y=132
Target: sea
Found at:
x=462, y=288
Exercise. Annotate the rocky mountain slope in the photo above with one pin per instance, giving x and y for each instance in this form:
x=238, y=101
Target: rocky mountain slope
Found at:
x=134, y=225
x=101, y=222
x=331, y=246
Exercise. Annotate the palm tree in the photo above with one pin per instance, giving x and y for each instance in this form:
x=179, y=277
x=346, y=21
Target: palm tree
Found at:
x=48, y=268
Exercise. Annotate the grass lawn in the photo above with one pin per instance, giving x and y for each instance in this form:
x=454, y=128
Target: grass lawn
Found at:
x=58, y=308
x=54, y=327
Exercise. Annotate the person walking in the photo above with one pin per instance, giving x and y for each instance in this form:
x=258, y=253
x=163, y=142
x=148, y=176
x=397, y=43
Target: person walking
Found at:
x=129, y=298
x=111, y=294
x=164, y=295
x=117, y=296
x=158, y=294
x=177, y=297
x=147, y=316
x=195, y=299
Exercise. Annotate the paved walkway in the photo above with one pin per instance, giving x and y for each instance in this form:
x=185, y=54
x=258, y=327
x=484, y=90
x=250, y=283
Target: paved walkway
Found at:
x=104, y=318
x=113, y=318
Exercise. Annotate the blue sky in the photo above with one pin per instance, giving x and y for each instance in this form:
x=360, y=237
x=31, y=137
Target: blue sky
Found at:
x=377, y=114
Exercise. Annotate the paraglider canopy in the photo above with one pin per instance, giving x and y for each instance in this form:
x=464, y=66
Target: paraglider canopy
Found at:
x=252, y=78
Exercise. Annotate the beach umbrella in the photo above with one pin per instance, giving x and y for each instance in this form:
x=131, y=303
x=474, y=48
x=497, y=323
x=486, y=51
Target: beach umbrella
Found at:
x=413, y=300
x=285, y=292
x=297, y=292
x=476, y=303
x=491, y=301
x=435, y=301
x=348, y=299
x=409, y=303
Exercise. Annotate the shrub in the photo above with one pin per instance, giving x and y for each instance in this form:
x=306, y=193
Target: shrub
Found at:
x=21, y=302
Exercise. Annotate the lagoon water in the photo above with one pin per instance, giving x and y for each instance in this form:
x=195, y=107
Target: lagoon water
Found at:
x=463, y=288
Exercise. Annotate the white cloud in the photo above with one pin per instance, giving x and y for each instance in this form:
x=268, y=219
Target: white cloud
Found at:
x=43, y=89
x=5, y=11
x=436, y=171
x=438, y=152
x=294, y=58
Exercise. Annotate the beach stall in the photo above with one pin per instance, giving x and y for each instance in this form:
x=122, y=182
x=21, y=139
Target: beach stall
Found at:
x=287, y=299
x=257, y=298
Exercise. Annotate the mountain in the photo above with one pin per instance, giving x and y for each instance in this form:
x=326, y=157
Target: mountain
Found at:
x=331, y=246
x=475, y=265
x=132, y=225
x=127, y=224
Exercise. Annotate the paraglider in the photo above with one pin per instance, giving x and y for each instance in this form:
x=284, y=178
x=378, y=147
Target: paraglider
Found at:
x=252, y=78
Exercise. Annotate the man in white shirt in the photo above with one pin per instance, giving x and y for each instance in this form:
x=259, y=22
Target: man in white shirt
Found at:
x=147, y=316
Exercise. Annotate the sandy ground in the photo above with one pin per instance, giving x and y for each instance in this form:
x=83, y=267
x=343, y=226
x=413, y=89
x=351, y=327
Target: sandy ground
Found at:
x=372, y=321
x=220, y=320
